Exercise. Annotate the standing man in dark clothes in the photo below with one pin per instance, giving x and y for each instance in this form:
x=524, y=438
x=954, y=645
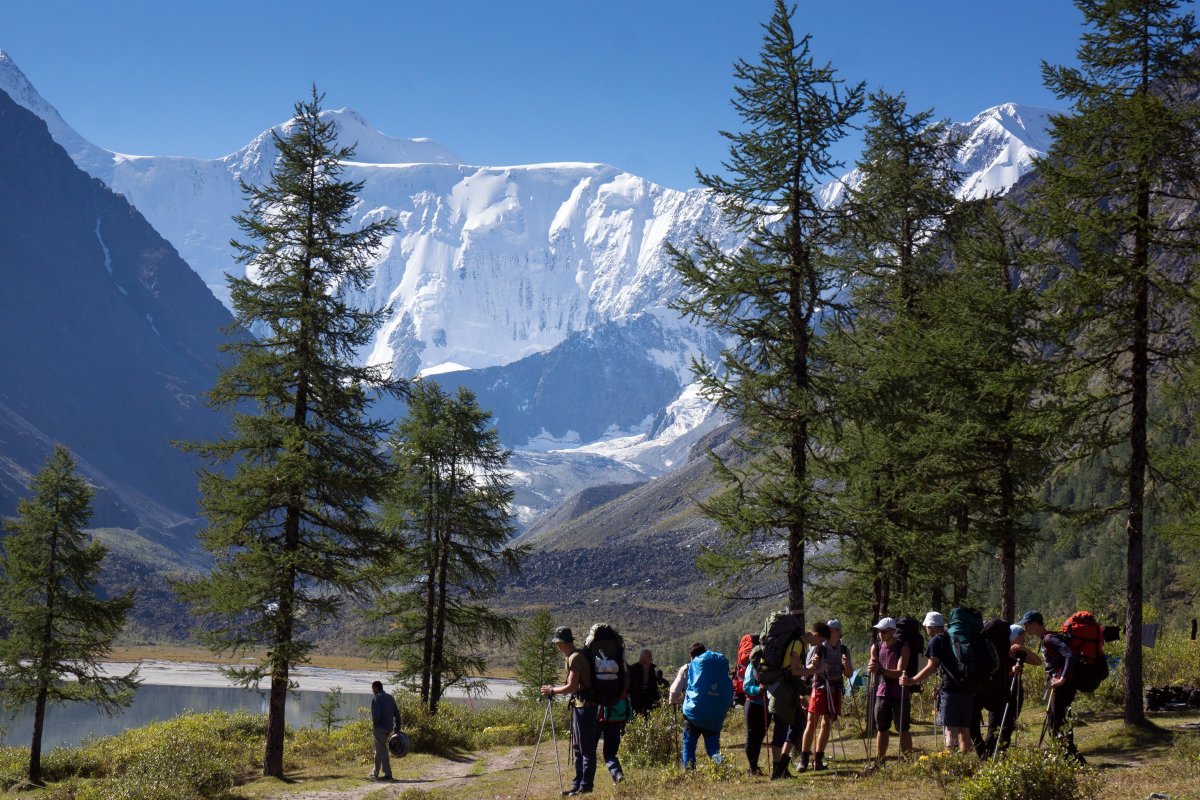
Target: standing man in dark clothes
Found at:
x=956, y=700
x=1060, y=667
x=584, y=723
x=385, y=718
x=643, y=684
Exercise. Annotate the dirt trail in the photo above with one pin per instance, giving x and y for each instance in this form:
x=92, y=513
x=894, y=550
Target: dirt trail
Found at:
x=445, y=773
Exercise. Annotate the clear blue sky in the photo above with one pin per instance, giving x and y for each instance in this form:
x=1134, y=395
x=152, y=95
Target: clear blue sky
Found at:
x=641, y=84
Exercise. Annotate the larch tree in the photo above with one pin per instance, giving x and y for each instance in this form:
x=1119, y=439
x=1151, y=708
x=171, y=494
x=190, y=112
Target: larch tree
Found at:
x=289, y=519
x=56, y=628
x=1116, y=200
x=768, y=298
x=446, y=513
x=896, y=514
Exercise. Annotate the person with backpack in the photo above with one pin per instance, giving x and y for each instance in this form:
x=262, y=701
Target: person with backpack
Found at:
x=887, y=661
x=1061, y=662
x=745, y=646
x=993, y=696
x=965, y=661
x=706, y=701
x=611, y=722
x=829, y=662
x=385, y=719
x=584, y=733
x=758, y=718
x=643, y=683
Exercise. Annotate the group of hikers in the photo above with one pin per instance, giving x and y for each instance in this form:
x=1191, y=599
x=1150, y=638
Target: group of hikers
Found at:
x=791, y=681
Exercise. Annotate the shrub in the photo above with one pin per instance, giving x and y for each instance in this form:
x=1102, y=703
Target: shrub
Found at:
x=1032, y=774
x=651, y=741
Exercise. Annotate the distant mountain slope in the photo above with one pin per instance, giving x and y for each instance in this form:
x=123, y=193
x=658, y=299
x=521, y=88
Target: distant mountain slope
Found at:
x=109, y=339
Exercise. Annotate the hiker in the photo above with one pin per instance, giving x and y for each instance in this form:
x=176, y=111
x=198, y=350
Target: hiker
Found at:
x=612, y=721
x=830, y=665
x=957, y=696
x=643, y=683
x=758, y=718
x=706, y=701
x=746, y=646
x=790, y=703
x=385, y=718
x=1059, y=660
x=893, y=705
x=583, y=712
x=993, y=695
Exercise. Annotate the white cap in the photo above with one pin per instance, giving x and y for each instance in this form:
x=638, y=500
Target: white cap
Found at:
x=885, y=624
x=934, y=620
x=1015, y=632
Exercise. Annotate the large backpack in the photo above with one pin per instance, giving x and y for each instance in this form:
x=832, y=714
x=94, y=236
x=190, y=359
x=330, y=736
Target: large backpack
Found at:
x=910, y=633
x=745, y=646
x=976, y=658
x=709, y=691
x=1085, y=636
x=779, y=631
x=605, y=652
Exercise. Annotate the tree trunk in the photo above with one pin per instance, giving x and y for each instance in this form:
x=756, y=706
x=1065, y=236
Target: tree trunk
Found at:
x=435, y=690
x=963, y=579
x=35, y=746
x=1008, y=541
x=432, y=555
x=1134, y=529
x=280, y=673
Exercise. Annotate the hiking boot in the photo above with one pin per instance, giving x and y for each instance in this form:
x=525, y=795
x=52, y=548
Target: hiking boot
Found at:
x=781, y=769
x=753, y=771
x=618, y=776
x=819, y=762
x=804, y=757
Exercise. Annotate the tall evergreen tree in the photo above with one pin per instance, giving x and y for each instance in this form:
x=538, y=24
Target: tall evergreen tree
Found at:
x=538, y=660
x=897, y=515
x=291, y=525
x=768, y=297
x=55, y=625
x=996, y=417
x=447, y=513
x=1117, y=192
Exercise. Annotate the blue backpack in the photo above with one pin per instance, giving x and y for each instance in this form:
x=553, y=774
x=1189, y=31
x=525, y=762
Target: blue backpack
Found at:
x=709, y=691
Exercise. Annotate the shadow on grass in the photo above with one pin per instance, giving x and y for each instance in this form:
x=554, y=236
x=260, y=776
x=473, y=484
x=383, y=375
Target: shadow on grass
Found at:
x=1141, y=741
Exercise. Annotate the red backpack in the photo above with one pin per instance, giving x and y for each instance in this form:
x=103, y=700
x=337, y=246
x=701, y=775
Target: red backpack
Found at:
x=739, y=675
x=1085, y=636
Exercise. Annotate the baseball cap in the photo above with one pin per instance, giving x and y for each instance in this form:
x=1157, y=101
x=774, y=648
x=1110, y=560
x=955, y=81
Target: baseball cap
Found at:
x=934, y=620
x=1032, y=616
x=885, y=624
x=1015, y=632
x=563, y=634
x=835, y=624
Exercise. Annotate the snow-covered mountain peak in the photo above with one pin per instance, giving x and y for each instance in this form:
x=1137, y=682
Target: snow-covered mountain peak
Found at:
x=372, y=146
x=999, y=145
x=14, y=83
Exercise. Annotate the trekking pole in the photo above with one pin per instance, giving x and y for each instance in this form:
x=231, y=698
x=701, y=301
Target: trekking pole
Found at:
x=1046, y=719
x=837, y=722
x=554, y=740
x=1004, y=717
x=537, y=746
x=867, y=701
x=767, y=727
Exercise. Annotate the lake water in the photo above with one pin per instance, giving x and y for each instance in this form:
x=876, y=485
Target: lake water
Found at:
x=169, y=689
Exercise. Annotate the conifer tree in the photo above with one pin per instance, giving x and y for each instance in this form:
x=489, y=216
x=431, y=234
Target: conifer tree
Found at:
x=537, y=659
x=447, y=515
x=56, y=629
x=1117, y=191
x=768, y=297
x=898, y=517
x=290, y=523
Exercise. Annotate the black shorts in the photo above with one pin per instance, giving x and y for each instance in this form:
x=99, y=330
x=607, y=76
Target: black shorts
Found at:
x=893, y=709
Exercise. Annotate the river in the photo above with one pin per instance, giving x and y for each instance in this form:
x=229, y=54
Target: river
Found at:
x=170, y=688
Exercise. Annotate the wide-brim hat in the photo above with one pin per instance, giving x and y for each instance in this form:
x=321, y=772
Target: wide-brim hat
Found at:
x=934, y=619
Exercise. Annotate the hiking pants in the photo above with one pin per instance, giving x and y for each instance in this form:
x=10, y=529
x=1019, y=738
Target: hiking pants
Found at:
x=1060, y=704
x=612, y=743
x=757, y=720
x=712, y=743
x=584, y=734
x=383, y=765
